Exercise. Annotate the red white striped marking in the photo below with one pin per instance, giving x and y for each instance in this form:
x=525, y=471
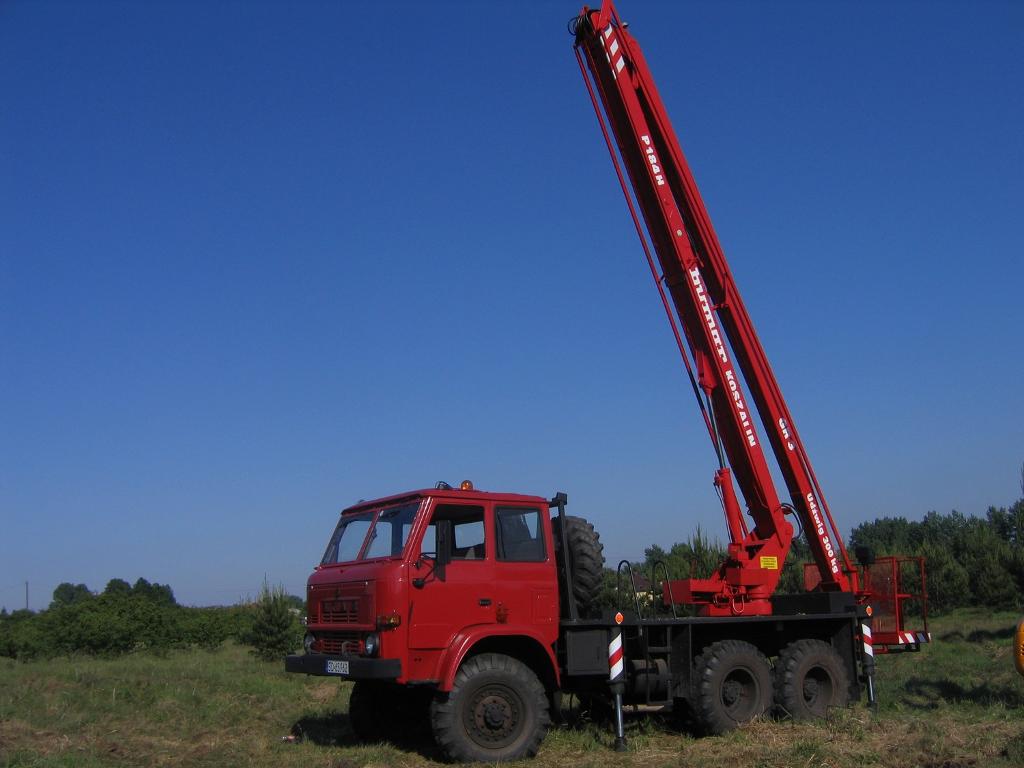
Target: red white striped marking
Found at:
x=865, y=632
x=915, y=638
x=615, y=664
x=612, y=52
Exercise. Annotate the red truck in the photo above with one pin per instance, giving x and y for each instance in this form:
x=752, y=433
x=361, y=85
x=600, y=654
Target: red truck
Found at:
x=481, y=608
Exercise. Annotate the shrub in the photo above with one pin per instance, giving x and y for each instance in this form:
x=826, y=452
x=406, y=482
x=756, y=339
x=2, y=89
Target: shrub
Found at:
x=276, y=629
x=22, y=636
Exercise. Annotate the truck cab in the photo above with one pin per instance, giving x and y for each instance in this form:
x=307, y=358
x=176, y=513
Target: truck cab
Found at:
x=411, y=584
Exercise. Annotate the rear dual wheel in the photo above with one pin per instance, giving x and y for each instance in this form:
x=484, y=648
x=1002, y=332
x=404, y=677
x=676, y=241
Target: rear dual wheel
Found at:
x=732, y=685
x=810, y=678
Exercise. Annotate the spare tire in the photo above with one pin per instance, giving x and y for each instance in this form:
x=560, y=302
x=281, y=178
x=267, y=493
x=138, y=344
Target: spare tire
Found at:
x=586, y=561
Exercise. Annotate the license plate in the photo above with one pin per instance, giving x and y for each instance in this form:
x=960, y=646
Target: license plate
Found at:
x=335, y=667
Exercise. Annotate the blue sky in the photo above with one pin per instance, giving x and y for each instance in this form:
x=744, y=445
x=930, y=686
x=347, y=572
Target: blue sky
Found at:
x=258, y=261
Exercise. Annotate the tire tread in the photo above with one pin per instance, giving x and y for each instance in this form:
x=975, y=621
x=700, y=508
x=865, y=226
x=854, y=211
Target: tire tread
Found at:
x=789, y=680
x=705, y=703
x=445, y=720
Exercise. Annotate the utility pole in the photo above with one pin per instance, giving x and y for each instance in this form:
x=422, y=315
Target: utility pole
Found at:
x=26, y=595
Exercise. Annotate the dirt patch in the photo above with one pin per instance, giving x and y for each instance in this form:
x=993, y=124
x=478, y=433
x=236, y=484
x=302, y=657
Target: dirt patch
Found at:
x=19, y=734
x=324, y=692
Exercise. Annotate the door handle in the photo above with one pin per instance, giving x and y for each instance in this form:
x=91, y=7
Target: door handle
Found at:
x=484, y=601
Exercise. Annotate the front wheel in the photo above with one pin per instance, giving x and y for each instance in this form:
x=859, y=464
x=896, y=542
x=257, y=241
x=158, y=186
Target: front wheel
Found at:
x=364, y=711
x=497, y=710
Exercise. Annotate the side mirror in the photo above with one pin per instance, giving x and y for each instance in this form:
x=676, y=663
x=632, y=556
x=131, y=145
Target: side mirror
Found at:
x=437, y=559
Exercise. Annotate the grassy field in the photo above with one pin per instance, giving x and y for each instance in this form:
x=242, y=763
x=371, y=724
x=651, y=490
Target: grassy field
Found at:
x=959, y=703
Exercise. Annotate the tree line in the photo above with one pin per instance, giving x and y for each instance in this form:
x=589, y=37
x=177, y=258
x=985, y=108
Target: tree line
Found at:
x=969, y=560
x=145, y=616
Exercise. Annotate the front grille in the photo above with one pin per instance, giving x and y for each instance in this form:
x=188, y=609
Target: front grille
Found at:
x=339, y=612
x=340, y=642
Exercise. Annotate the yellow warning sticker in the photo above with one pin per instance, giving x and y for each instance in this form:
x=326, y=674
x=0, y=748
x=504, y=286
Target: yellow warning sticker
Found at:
x=770, y=563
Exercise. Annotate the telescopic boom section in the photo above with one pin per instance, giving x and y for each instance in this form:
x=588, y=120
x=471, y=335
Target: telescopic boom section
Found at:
x=721, y=339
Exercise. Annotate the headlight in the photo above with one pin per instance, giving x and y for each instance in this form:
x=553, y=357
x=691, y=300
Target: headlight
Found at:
x=307, y=642
x=372, y=644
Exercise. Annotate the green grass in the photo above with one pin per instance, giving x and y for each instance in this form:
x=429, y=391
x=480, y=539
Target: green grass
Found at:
x=959, y=703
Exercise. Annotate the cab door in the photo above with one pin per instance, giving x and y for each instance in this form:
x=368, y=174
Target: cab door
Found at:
x=525, y=577
x=464, y=597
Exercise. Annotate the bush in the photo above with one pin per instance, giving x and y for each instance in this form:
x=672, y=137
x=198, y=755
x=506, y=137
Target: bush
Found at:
x=122, y=619
x=209, y=627
x=21, y=636
x=276, y=629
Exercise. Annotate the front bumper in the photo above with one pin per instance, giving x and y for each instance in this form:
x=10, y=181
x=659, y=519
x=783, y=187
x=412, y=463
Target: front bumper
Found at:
x=346, y=667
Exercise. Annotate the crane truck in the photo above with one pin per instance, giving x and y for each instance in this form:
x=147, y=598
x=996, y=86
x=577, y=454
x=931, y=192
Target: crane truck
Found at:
x=479, y=609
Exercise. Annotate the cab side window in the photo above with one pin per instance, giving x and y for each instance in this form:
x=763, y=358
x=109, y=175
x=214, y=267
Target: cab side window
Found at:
x=468, y=540
x=520, y=537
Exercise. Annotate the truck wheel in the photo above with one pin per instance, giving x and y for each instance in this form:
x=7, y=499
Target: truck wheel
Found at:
x=365, y=711
x=586, y=559
x=810, y=677
x=732, y=684
x=413, y=712
x=497, y=710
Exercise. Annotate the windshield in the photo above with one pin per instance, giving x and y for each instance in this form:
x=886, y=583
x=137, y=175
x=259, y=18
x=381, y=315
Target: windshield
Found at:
x=360, y=537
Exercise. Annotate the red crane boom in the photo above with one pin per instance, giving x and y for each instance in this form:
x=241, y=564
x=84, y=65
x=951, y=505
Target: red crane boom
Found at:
x=733, y=375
